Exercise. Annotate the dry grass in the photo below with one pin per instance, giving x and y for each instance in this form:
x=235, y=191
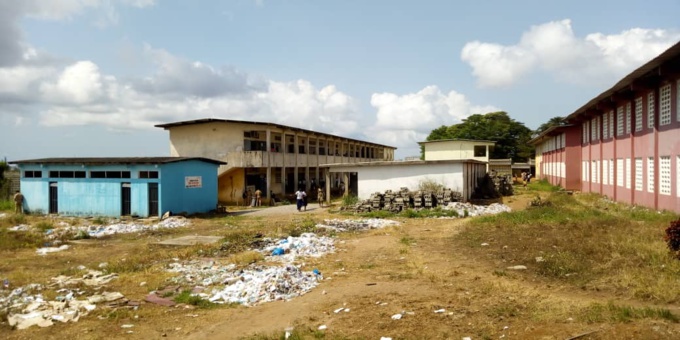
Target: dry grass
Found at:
x=584, y=241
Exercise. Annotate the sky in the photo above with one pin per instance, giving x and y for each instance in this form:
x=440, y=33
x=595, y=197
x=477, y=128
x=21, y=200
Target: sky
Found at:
x=91, y=78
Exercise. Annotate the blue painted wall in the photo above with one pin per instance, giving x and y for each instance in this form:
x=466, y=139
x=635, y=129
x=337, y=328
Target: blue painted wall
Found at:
x=176, y=197
x=102, y=197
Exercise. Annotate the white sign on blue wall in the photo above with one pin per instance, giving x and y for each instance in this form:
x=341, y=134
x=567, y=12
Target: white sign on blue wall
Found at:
x=193, y=182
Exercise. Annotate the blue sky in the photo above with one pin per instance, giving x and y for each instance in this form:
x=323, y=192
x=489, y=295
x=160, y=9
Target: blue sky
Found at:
x=92, y=77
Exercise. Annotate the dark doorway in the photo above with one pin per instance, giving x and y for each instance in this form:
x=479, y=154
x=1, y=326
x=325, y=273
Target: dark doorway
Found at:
x=126, y=206
x=259, y=182
x=353, y=184
x=153, y=199
x=54, y=198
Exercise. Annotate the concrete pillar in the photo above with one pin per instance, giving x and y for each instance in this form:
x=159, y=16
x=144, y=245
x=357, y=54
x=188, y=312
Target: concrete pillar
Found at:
x=328, y=186
x=345, y=179
x=295, y=174
x=268, y=152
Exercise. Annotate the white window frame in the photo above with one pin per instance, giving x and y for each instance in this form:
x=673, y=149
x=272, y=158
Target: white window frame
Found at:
x=619, y=172
x=665, y=175
x=650, y=110
x=665, y=105
x=628, y=114
x=650, y=174
x=605, y=126
x=638, y=114
x=638, y=173
x=619, y=121
x=628, y=170
x=605, y=173
x=611, y=171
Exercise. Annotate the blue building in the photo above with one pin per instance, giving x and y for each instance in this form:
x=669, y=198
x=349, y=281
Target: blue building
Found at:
x=138, y=186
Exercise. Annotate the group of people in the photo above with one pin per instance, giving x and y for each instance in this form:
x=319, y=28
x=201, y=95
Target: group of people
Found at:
x=301, y=197
x=526, y=178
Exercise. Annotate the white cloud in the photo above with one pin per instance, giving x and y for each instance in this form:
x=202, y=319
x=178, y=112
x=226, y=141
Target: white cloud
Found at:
x=403, y=120
x=80, y=83
x=554, y=48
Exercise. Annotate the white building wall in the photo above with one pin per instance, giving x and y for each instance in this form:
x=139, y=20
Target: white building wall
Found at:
x=392, y=177
x=454, y=150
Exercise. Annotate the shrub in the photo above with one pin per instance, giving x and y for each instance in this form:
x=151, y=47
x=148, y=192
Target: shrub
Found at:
x=349, y=200
x=430, y=185
x=673, y=238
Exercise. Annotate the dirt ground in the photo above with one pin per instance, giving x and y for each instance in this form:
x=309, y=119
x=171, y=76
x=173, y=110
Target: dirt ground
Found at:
x=412, y=269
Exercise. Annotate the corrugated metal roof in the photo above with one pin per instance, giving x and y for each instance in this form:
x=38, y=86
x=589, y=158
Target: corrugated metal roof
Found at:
x=114, y=160
x=280, y=126
x=459, y=140
x=396, y=163
x=669, y=57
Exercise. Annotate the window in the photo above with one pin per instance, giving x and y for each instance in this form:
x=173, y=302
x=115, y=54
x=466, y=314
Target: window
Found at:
x=665, y=105
x=611, y=171
x=148, y=174
x=593, y=129
x=619, y=172
x=628, y=114
x=638, y=174
x=650, y=174
x=665, y=175
x=322, y=147
x=253, y=145
x=611, y=123
x=32, y=174
x=109, y=174
x=480, y=150
x=677, y=100
x=628, y=170
x=638, y=114
x=584, y=129
x=677, y=173
x=619, y=121
x=650, y=110
x=605, y=126
x=605, y=173
x=593, y=171
x=67, y=174
x=312, y=147
x=584, y=169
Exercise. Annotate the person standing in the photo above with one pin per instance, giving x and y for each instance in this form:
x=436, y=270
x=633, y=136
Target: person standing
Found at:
x=258, y=197
x=18, y=202
x=319, y=196
x=300, y=195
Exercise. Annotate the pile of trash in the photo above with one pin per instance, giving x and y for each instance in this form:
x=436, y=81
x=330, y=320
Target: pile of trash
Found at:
x=306, y=245
x=258, y=283
x=339, y=225
x=26, y=306
x=467, y=209
x=130, y=227
x=261, y=284
x=249, y=286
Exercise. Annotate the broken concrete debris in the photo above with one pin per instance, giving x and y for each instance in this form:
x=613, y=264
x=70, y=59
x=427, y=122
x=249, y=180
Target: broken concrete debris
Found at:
x=306, y=245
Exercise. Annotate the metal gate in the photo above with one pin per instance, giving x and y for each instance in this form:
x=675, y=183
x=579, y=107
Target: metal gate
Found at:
x=126, y=208
x=54, y=198
x=153, y=199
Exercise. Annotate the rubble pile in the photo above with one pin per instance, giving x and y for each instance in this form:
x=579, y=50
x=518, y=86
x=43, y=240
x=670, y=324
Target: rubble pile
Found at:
x=306, y=245
x=467, y=209
x=339, y=225
x=26, y=306
x=405, y=199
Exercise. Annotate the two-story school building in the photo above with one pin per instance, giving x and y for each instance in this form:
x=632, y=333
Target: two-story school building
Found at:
x=271, y=157
x=137, y=186
x=625, y=142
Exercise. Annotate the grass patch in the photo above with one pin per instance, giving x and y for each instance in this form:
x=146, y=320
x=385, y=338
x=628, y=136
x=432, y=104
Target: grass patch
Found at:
x=428, y=213
x=43, y=226
x=543, y=185
x=6, y=205
x=407, y=241
x=13, y=240
x=584, y=240
x=610, y=312
x=186, y=297
x=349, y=200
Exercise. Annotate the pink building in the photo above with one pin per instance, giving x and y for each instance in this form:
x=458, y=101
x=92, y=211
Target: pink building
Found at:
x=624, y=143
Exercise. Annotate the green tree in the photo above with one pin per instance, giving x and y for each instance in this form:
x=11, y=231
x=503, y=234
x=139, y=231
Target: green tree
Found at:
x=554, y=121
x=511, y=137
